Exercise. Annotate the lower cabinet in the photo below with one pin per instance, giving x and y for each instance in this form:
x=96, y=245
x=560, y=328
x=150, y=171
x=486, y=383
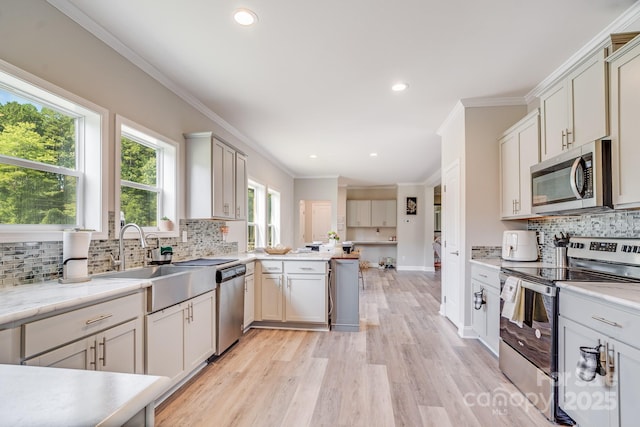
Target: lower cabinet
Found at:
x=485, y=281
x=108, y=336
x=10, y=346
x=118, y=349
x=249, y=296
x=298, y=293
x=606, y=400
x=181, y=337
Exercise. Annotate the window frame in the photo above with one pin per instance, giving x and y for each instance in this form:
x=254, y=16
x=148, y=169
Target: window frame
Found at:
x=259, y=202
x=168, y=161
x=92, y=132
x=273, y=226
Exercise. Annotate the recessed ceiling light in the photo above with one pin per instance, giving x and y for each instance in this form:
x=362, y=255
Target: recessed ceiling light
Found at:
x=373, y=154
x=313, y=156
x=399, y=87
x=245, y=17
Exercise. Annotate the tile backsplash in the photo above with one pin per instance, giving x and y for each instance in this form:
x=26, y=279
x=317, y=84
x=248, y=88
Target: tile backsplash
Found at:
x=613, y=224
x=32, y=262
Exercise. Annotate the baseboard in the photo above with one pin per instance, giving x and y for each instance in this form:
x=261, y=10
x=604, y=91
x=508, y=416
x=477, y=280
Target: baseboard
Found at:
x=467, y=332
x=415, y=268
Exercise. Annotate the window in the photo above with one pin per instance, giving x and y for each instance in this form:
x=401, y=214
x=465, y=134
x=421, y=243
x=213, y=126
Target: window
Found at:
x=273, y=218
x=148, y=171
x=255, y=215
x=51, y=154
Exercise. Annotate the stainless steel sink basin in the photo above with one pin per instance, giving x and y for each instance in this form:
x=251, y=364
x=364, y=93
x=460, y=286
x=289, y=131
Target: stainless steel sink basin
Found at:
x=170, y=284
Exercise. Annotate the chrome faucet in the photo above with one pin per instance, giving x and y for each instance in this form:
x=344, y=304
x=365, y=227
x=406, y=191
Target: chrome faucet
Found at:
x=143, y=244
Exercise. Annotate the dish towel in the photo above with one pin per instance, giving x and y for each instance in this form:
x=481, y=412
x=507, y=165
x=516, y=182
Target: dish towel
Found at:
x=513, y=296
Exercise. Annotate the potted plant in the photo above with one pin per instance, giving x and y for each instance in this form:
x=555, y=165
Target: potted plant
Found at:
x=333, y=238
x=165, y=224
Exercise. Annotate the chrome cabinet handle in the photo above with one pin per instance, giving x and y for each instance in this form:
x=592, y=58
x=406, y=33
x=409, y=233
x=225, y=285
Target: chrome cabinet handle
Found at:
x=97, y=319
x=456, y=253
x=483, y=275
x=93, y=348
x=104, y=351
x=608, y=322
x=306, y=268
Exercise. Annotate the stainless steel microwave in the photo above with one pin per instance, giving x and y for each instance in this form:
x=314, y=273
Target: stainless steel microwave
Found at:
x=573, y=182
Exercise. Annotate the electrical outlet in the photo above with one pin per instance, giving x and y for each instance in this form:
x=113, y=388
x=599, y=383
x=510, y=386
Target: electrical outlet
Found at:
x=541, y=237
x=184, y=236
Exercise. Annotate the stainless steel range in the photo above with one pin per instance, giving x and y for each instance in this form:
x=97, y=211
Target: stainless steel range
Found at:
x=529, y=338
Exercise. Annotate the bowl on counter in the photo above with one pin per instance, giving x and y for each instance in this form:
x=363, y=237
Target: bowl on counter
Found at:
x=277, y=251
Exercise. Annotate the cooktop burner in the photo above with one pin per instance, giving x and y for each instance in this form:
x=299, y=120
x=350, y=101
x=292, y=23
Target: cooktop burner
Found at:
x=551, y=274
x=205, y=262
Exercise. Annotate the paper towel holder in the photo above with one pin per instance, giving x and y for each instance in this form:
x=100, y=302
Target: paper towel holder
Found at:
x=65, y=279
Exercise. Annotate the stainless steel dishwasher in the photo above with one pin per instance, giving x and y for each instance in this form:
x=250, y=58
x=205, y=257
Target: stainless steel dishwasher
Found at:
x=229, y=305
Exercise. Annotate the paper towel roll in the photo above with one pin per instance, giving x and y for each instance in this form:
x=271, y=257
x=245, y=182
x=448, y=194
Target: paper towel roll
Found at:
x=75, y=244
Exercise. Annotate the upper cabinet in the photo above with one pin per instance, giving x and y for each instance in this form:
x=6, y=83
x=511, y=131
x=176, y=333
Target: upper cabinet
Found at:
x=383, y=213
x=216, y=178
x=625, y=126
x=574, y=111
x=519, y=150
x=358, y=213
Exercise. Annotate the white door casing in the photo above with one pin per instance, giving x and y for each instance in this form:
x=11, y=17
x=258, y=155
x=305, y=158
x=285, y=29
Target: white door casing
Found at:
x=451, y=225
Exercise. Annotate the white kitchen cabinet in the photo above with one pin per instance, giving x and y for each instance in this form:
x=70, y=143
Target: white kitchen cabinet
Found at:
x=598, y=402
x=519, y=150
x=10, y=346
x=574, y=111
x=118, y=349
x=383, y=213
x=181, y=337
x=486, y=319
x=107, y=336
x=358, y=213
x=216, y=178
x=249, y=296
x=298, y=293
x=625, y=126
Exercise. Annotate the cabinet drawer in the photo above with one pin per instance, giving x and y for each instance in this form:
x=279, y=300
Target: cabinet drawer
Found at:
x=271, y=266
x=488, y=276
x=251, y=267
x=55, y=331
x=306, y=267
x=609, y=319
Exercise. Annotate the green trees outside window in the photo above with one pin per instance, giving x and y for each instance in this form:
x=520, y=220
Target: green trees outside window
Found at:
x=139, y=182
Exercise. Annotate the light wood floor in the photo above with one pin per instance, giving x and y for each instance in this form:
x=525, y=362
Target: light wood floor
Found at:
x=406, y=367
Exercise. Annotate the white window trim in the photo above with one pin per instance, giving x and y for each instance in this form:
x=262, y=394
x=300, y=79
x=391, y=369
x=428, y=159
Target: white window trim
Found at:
x=276, y=214
x=95, y=156
x=170, y=175
x=260, y=201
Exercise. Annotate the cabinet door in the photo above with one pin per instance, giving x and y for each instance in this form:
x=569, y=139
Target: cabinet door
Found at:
x=271, y=298
x=625, y=128
x=358, y=213
x=553, y=122
x=249, y=300
x=306, y=298
x=627, y=373
x=165, y=342
x=77, y=355
x=510, y=174
x=120, y=348
x=492, y=307
x=241, y=186
x=588, y=403
x=199, y=336
x=383, y=213
x=529, y=155
x=479, y=317
x=587, y=91
x=223, y=177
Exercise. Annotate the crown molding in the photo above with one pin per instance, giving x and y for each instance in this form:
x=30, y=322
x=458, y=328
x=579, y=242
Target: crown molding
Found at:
x=600, y=41
x=82, y=19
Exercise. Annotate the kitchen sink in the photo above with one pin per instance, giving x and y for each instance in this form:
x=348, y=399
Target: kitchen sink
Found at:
x=170, y=284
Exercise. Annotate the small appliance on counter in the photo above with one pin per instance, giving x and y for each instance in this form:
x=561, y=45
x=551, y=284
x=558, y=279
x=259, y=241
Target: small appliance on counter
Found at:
x=75, y=255
x=519, y=245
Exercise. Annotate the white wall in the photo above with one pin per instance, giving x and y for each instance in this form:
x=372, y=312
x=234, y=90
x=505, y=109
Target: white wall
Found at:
x=411, y=228
x=46, y=43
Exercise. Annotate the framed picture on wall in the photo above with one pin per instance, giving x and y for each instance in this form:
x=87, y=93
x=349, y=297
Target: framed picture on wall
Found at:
x=412, y=205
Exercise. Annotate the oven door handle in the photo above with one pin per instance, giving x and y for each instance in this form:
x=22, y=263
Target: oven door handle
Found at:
x=541, y=289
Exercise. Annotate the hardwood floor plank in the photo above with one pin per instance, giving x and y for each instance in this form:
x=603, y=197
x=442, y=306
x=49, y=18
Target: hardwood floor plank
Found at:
x=406, y=366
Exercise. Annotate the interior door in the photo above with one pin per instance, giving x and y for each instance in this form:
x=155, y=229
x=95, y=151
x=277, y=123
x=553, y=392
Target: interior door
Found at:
x=321, y=220
x=451, y=283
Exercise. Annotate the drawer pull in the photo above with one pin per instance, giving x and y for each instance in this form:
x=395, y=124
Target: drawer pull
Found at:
x=483, y=275
x=104, y=351
x=97, y=319
x=608, y=322
x=306, y=268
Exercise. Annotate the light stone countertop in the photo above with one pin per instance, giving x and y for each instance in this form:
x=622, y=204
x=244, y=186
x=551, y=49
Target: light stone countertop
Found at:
x=39, y=396
x=624, y=294
x=26, y=301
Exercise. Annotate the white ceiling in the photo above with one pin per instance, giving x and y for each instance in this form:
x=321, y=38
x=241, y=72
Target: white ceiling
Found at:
x=314, y=77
